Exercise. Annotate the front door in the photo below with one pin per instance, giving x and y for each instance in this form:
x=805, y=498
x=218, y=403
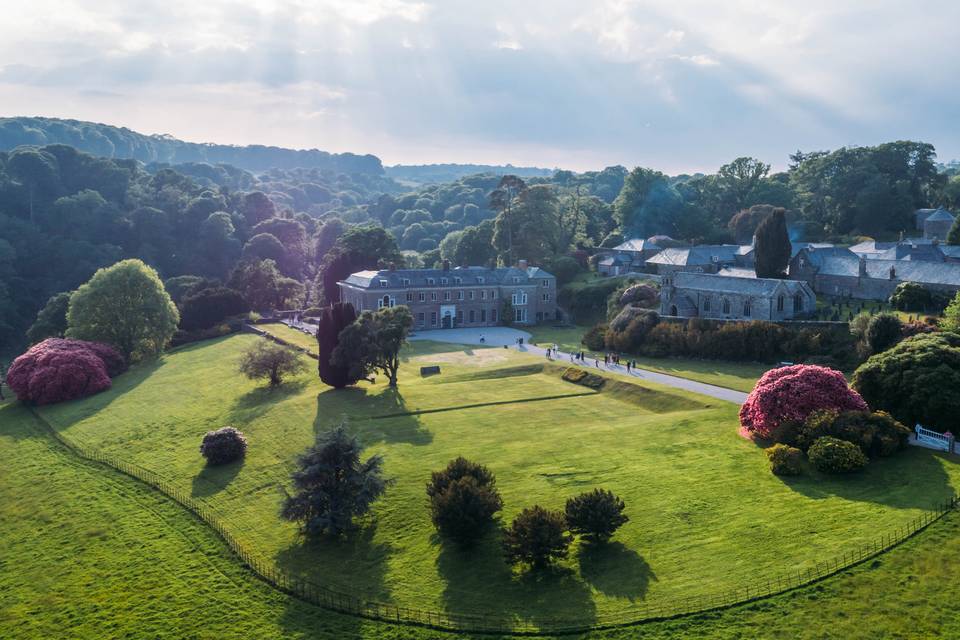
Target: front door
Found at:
x=448, y=314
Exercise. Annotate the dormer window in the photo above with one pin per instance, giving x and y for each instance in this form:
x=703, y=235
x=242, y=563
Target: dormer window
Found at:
x=444, y=280
x=405, y=281
x=480, y=279
x=546, y=283
x=458, y=280
x=516, y=280
x=383, y=284
x=431, y=281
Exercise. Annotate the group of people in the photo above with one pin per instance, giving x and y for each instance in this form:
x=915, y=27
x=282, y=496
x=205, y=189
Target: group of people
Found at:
x=609, y=359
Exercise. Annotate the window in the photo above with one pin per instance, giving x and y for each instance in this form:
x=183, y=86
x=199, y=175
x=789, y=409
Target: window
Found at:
x=431, y=281
x=746, y=309
x=479, y=279
x=409, y=296
x=516, y=280
x=706, y=303
x=405, y=282
x=520, y=315
x=726, y=306
x=493, y=294
x=471, y=315
x=546, y=283
x=433, y=318
x=459, y=316
x=493, y=315
x=458, y=280
x=420, y=319
x=383, y=284
x=483, y=294
x=423, y=297
x=546, y=297
x=780, y=303
x=797, y=303
x=518, y=298
x=460, y=295
x=446, y=295
x=444, y=280
x=386, y=301
x=483, y=315
x=470, y=294
x=433, y=296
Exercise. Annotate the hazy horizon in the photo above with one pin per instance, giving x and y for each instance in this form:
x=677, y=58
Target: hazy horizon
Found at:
x=681, y=88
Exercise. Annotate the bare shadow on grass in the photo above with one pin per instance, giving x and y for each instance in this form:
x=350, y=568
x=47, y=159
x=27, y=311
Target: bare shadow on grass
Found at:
x=256, y=402
x=213, y=479
x=398, y=429
x=615, y=570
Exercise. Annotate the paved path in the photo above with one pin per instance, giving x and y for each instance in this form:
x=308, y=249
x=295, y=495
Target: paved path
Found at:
x=493, y=336
x=720, y=393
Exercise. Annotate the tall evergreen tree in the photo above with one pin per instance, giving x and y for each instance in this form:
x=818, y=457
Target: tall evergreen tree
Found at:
x=772, y=248
x=334, y=319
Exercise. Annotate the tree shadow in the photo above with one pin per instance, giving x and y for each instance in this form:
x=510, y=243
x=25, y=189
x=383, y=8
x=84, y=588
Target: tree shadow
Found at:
x=914, y=478
x=615, y=570
x=214, y=478
x=400, y=427
x=478, y=581
x=258, y=401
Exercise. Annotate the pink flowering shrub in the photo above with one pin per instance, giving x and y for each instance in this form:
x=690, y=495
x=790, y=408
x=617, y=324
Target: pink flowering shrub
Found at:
x=793, y=393
x=59, y=369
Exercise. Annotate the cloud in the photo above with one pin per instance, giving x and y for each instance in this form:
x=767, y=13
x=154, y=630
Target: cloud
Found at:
x=680, y=86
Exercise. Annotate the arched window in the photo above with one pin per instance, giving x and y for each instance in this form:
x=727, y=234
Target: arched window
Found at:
x=726, y=306
x=706, y=303
x=746, y=309
x=779, y=303
x=797, y=303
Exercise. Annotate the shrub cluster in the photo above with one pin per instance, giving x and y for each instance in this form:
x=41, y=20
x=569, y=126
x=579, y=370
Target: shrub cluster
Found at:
x=60, y=369
x=463, y=500
x=792, y=393
x=876, y=434
x=832, y=455
x=583, y=377
x=182, y=337
x=785, y=460
x=629, y=329
x=210, y=307
x=595, y=337
x=641, y=295
x=756, y=341
x=596, y=515
x=223, y=446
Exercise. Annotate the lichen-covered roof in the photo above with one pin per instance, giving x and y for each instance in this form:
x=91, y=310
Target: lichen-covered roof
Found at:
x=716, y=283
x=467, y=275
x=701, y=255
x=637, y=245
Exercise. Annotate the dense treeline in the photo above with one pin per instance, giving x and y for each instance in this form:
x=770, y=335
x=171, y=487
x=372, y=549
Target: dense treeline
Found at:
x=419, y=174
x=120, y=142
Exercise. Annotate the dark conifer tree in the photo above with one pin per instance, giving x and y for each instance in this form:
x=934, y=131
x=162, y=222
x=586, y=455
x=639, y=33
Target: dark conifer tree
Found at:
x=772, y=247
x=332, y=322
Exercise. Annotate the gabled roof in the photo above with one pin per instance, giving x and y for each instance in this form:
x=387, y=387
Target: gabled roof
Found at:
x=636, y=244
x=816, y=255
x=943, y=273
x=716, y=283
x=701, y=255
x=941, y=214
x=912, y=251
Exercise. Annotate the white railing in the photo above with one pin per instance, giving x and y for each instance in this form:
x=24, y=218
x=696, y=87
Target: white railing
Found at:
x=934, y=439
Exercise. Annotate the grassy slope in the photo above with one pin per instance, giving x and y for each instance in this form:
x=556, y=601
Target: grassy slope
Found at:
x=293, y=336
x=696, y=490
x=741, y=376
x=88, y=553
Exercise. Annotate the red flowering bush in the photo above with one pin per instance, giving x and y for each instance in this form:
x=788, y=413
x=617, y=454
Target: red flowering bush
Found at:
x=793, y=393
x=59, y=369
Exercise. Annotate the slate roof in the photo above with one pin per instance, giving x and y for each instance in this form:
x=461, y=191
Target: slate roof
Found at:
x=615, y=260
x=636, y=245
x=912, y=251
x=872, y=246
x=940, y=214
x=419, y=277
x=737, y=272
x=700, y=255
x=943, y=273
x=716, y=283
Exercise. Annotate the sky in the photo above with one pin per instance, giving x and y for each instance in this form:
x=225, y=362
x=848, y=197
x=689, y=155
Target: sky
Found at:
x=677, y=85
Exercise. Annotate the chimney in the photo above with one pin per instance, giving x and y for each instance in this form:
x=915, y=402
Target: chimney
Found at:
x=893, y=273
x=863, y=268
x=446, y=265
x=522, y=265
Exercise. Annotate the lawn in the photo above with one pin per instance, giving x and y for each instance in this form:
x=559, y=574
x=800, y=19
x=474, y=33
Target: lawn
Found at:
x=89, y=553
x=288, y=334
x=741, y=376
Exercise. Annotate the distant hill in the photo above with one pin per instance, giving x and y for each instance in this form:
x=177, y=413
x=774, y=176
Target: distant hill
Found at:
x=417, y=174
x=120, y=142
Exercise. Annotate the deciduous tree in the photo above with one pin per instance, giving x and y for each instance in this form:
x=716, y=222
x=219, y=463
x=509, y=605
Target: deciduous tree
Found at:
x=373, y=343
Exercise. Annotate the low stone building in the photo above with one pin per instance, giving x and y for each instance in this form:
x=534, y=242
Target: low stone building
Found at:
x=698, y=259
x=935, y=223
x=701, y=295
x=460, y=297
x=626, y=257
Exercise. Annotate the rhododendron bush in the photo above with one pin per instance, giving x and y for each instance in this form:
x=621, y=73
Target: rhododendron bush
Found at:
x=59, y=369
x=793, y=393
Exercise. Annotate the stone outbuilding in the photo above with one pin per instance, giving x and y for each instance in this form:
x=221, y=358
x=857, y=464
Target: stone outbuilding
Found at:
x=702, y=295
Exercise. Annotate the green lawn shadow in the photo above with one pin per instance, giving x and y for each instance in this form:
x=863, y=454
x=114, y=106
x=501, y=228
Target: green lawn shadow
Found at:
x=214, y=478
x=615, y=570
x=398, y=429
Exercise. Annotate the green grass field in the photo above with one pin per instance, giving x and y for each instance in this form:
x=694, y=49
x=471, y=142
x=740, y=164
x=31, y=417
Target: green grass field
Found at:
x=89, y=553
x=293, y=336
x=741, y=376
x=706, y=515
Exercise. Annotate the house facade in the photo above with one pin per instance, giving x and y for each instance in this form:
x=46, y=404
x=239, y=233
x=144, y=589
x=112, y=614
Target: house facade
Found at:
x=460, y=297
x=703, y=295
